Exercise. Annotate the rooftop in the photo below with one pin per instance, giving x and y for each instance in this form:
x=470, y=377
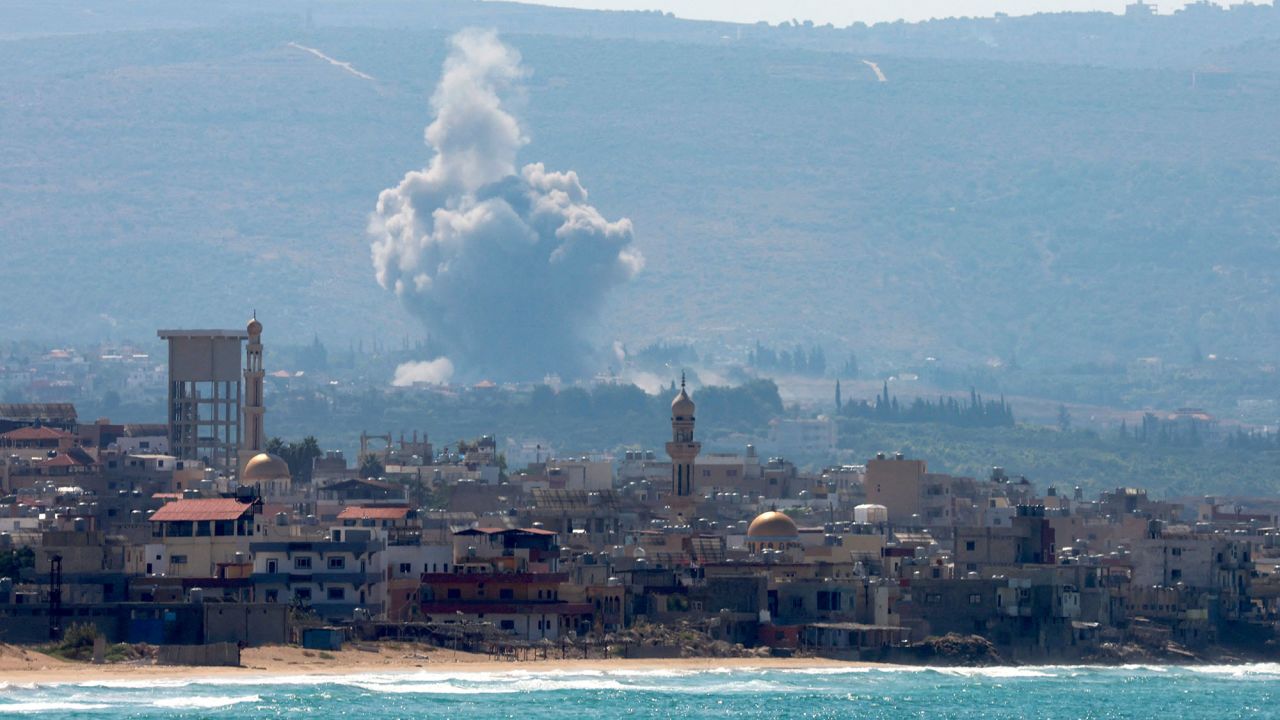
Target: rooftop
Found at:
x=374, y=513
x=202, y=509
x=226, y=334
x=36, y=433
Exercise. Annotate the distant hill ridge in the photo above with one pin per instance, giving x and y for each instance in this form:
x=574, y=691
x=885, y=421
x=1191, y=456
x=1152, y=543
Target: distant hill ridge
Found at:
x=1055, y=188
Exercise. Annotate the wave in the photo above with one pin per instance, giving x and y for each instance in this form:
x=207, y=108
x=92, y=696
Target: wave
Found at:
x=1266, y=670
x=49, y=706
x=999, y=671
x=562, y=683
x=204, y=703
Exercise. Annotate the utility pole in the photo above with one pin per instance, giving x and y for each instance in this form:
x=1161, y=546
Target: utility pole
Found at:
x=55, y=597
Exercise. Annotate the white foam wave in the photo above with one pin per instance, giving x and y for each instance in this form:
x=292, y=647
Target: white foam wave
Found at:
x=1238, y=671
x=852, y=670
x=996, y=672
x=48, y=706
x=205, y=703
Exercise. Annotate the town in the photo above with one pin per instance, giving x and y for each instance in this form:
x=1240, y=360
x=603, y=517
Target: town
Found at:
x=195, y=531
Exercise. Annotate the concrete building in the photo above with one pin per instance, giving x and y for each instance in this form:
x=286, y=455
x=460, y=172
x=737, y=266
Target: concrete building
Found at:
x=526, y=605
x=192, y=537
x=334, y=577
x=895, y=483
x=204, y=395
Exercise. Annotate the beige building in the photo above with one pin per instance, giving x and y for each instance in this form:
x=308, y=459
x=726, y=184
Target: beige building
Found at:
x=191, y=538
x=896, y=483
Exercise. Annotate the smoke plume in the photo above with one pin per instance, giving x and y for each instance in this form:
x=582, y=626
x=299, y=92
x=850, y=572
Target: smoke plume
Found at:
x=506, y=269
x=435, y=372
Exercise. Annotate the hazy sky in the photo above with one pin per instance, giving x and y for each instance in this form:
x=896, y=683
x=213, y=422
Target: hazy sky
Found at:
x=844, y=12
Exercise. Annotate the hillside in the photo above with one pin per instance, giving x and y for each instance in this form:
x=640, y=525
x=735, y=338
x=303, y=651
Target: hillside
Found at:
x=969, y=207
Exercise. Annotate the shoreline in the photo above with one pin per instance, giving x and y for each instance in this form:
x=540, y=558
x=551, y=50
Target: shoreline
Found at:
x=21, y=666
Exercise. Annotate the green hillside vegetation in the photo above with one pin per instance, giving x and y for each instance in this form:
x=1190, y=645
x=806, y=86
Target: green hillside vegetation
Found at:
x=1066, y=459
x=965, y=209
x=617, y=417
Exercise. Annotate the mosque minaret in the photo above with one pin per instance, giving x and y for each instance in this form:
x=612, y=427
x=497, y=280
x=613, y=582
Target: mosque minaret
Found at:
x=268, y=472
x=254, y=441
x=682, y=448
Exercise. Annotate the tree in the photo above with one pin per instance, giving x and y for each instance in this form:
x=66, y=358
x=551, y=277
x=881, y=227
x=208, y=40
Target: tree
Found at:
x=13, y=561
x=850, y=368
x=371, y=466
x=300, y=456
x=1064, y=418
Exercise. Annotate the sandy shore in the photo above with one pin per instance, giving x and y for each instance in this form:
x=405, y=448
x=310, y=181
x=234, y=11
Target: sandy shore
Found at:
x=20, y=665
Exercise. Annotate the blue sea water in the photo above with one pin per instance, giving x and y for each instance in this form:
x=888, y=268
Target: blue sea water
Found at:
x=1140, y=692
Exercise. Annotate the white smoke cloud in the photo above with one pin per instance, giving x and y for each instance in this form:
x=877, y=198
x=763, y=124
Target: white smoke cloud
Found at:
x=506, y=269
x=436, y=371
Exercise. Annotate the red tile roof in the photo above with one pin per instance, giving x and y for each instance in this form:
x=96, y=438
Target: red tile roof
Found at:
x=36, y=433
x=202, y=509
x=61, y=460
x=374, y=513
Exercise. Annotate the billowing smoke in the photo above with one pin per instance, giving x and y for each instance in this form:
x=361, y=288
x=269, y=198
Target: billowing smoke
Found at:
x=436, y=372
x=507, y=269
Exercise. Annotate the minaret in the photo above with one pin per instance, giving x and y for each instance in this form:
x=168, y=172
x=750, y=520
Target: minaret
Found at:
x=682, y=449
x=254, y=436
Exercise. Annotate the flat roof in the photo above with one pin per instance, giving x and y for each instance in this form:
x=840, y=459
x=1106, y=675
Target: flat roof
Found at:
x=227, y=334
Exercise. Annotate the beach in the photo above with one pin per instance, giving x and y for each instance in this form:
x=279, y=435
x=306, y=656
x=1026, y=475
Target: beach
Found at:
x=23, y=665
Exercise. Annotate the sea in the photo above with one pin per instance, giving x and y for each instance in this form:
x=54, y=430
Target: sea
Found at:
x=1136, y=691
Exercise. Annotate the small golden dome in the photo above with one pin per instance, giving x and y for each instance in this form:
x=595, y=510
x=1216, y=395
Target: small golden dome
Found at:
x=772, y=524
x=264, y=467
x=682, y=405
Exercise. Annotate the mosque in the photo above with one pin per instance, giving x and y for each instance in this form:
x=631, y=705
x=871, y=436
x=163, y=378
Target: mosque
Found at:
x=259, y=468
x=769, y=531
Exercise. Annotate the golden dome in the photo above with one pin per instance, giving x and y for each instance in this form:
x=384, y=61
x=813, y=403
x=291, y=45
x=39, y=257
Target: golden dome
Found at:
x=682, y=405
x=264, y=467
x=772, y=524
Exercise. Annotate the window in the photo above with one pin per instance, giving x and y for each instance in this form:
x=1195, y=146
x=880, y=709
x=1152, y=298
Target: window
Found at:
x=975, y=599
x=302, y=594
x=508, y=625
x=970, y=545
x=933, y=598
x=506, y=594
x=453, y=594
x=337, y=593
x=1177, y=552
x=406, y=568
x=273, y=596
x=337, y=563
x=302, y=563
x=273, y=567
x=177, y=559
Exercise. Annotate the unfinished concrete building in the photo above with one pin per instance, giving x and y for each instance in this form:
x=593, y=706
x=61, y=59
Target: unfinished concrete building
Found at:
x=205, y=394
